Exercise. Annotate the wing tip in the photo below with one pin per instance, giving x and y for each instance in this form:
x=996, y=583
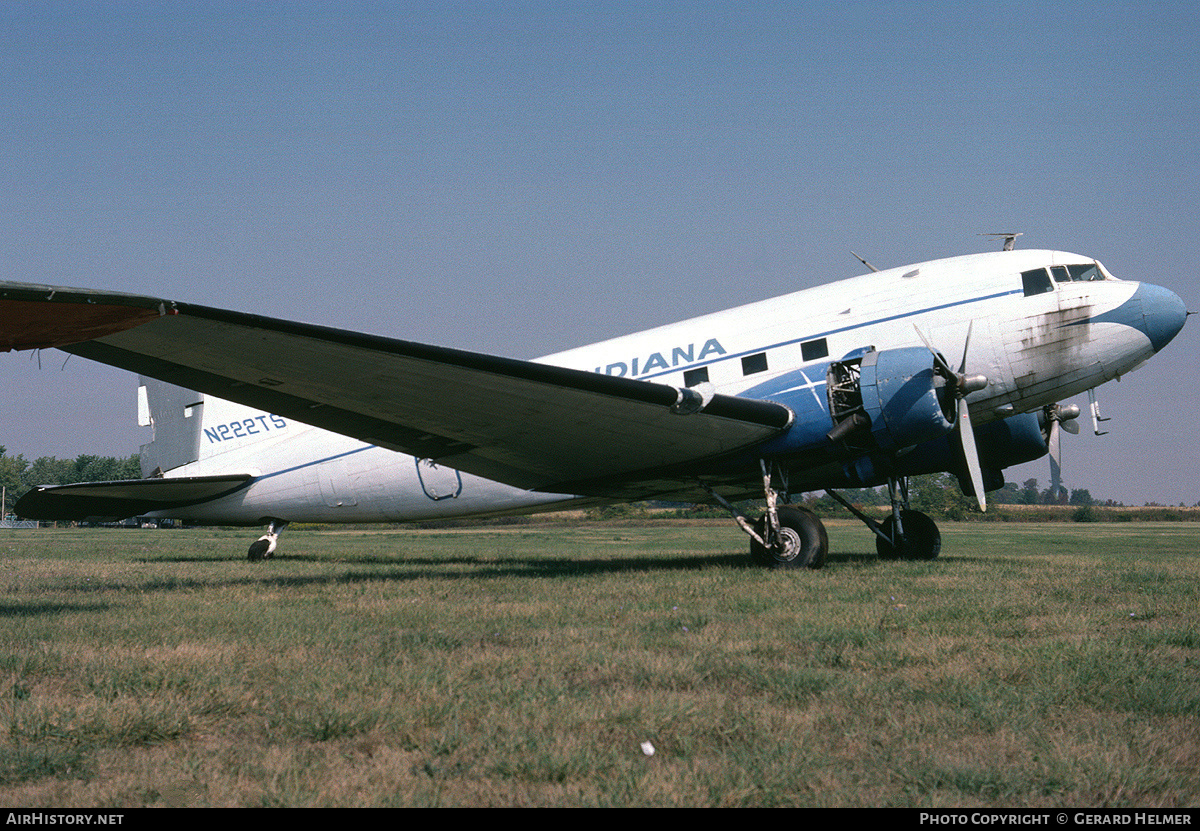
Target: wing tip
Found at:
x=42, y=323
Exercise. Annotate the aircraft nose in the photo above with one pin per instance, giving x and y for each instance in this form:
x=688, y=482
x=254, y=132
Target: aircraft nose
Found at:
x=1163, y=314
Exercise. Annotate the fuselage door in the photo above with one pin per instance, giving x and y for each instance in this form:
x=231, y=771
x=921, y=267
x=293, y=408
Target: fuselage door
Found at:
x=437, y=481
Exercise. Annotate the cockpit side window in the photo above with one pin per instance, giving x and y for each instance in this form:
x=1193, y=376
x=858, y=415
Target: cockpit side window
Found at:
x=1085, y=272
x=1039, y=280
x=1036, y=281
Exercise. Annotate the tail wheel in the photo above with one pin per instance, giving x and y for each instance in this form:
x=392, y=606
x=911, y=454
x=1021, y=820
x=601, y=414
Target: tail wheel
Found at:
x=802, y=541
x=922, y=539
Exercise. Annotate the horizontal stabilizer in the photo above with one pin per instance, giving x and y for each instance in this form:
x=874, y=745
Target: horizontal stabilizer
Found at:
x=119, y=500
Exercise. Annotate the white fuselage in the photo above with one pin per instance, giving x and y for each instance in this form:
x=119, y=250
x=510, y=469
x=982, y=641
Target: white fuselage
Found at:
x=1035, y=349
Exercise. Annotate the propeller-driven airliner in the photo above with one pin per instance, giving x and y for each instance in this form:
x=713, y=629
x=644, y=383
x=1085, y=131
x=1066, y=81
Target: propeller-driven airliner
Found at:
x=956, y=365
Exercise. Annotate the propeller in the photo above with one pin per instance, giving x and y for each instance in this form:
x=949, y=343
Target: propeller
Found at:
x=1055, y=418
x=962, y=385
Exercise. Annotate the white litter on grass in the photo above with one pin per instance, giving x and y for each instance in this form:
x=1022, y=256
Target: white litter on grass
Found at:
x=647, y=749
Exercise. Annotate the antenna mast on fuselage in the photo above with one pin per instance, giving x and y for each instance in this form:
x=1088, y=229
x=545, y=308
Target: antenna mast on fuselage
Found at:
x=1010, y=238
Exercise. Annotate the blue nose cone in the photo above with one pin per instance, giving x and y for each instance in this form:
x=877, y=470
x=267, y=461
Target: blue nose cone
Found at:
x=1163, y=314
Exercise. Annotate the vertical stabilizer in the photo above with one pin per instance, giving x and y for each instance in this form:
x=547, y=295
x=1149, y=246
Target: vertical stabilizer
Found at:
x=176, y=415
x=193, y=427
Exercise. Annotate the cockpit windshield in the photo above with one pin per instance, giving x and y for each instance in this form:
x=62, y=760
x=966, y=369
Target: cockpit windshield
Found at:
x=1085, y=272
x=1038, y=280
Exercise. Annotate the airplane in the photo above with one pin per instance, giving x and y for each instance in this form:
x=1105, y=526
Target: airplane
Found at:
x=260, y=421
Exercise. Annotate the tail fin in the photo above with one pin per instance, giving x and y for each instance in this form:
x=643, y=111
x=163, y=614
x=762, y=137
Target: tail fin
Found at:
x=190, y=426
x=176, y=415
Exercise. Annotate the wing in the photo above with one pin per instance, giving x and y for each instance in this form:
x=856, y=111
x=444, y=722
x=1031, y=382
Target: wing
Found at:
x=117, y=500
x=522, y=423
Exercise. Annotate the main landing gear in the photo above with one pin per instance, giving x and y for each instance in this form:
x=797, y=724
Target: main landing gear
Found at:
x=791, y=536
x=799, y=542
x=786, y=536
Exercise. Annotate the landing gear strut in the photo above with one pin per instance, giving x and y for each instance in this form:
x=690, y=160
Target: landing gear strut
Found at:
x=786, y=536
x=906, y=534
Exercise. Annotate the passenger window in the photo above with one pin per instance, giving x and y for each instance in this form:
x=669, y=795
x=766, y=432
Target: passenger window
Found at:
x=1036, y=281
x=692, y=377
x=813, y=349
x=754, y=363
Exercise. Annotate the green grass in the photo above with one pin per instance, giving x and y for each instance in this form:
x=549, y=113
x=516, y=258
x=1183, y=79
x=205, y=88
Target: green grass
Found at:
x=1032, y=665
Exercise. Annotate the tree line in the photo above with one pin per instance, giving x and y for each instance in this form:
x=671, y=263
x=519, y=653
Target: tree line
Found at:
x=939, y=494
x=18, y=475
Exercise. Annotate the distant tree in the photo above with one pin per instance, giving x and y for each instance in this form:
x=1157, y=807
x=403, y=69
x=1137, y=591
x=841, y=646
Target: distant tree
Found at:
x=11, y=468
x=1050, y=497
x=106, y=468
x=1081, y=496
x=1010, y=494
x=47, y=470
x=865, y=496
x=938, y=494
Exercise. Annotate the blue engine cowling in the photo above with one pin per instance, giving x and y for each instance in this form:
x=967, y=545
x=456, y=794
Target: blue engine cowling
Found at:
x=904, y=398
x=875, y=401
x=885, y=414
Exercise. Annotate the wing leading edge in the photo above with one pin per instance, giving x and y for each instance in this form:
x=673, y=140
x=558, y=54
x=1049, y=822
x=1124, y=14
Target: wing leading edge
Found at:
x=525, y=424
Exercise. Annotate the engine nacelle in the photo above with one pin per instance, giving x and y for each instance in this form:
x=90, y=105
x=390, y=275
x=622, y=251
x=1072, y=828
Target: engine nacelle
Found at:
x=1001, y=444
x=896, y=397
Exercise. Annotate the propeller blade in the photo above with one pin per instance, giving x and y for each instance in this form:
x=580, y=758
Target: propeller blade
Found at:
x=960, y=381
x=962, y=367
x=967, y=436
x=1052, y=440
x=937, y=356
x=963, y=384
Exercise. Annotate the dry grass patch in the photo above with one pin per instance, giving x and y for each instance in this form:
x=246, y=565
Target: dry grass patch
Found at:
x=1032, y=665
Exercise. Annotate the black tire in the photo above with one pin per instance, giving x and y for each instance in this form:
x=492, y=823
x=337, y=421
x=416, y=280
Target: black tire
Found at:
x=922, y=539
x=885, y=549
x=805, y=542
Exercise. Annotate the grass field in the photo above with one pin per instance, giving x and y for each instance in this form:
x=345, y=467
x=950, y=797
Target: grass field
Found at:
x=1032, y=665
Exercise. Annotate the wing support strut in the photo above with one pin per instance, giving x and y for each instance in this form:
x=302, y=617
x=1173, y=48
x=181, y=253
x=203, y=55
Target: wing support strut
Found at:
x=875, y=527
x=738, y=516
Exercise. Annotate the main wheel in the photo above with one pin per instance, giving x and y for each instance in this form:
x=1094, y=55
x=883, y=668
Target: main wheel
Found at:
x=922, y=539
x=802, y=541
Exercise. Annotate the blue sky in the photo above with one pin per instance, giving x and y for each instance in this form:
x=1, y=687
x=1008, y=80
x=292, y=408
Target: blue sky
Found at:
x=519, y=178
